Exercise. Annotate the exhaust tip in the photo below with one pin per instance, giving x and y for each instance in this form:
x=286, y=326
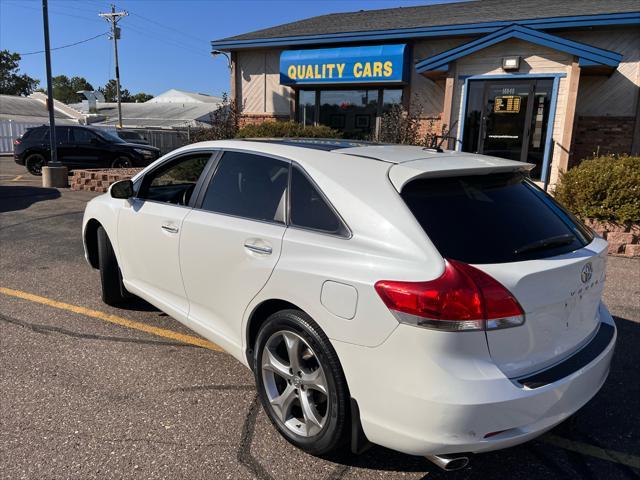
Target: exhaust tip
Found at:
x=449, y=462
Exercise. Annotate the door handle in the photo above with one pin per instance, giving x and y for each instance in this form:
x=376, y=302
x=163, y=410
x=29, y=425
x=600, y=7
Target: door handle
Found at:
x=263, y=249
x=170, y=228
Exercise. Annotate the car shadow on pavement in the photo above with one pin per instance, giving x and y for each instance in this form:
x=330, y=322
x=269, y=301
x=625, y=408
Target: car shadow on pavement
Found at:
x=137, y=304
x=607, y=422
x=19, y=197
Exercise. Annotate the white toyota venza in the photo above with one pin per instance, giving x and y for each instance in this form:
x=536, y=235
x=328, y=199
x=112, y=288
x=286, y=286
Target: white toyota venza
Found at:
x=436, y=303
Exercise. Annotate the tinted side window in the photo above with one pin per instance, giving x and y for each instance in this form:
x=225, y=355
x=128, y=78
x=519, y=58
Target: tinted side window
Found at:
x=175, y=182
x=494, y=218
x=82, y=136
x=309, y=208
x=62, y=134
x=250, y=186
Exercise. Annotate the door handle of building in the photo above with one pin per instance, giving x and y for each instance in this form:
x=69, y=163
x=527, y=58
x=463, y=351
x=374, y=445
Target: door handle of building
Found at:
x=263, y=249
x=170, y=228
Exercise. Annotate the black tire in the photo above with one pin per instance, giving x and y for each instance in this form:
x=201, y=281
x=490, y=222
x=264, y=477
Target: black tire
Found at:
x=335, y=429
x=113, y=291
x=122, y=162
x=34, y=164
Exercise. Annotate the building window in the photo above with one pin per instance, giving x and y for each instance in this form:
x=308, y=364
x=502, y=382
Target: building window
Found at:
x=354, y=112
x=307, y=107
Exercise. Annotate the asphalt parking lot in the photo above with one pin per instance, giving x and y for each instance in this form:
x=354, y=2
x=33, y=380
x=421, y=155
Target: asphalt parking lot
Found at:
x=90, y=391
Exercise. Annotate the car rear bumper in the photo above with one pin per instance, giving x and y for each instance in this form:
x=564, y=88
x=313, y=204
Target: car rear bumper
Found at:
x=426, y=392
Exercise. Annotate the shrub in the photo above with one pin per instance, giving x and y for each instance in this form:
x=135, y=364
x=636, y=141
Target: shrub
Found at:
x=397, y=125
x=274, y=129
x=605, y=188
x=224, y=123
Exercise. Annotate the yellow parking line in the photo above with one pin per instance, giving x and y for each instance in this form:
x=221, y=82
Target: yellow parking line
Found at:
x=107, y=317
x=593, y=451
x=16, y=178
x=582, y=448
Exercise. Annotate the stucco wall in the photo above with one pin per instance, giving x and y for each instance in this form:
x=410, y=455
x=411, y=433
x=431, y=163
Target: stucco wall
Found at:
x=615, y=95
x=607, y=104
x=427, y=96
x=258, y=87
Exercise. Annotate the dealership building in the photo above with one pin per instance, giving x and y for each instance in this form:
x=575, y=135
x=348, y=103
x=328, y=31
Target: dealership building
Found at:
x=548, y=82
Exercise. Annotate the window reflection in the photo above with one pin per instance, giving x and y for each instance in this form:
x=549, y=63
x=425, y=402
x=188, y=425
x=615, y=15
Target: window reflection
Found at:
x=353, y=112
x=307, y=107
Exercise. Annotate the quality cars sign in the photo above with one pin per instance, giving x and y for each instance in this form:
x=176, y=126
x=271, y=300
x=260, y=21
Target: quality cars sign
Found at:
x=370, y=64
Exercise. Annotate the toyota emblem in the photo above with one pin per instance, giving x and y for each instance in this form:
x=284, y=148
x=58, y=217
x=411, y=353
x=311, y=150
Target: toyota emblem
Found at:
x=587, y=272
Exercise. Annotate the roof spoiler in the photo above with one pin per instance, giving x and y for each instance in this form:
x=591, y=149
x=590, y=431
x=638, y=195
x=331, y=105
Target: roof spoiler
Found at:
x=463, y=165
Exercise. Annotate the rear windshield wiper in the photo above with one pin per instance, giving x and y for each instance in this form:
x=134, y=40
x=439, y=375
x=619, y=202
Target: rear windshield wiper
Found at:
x=551, y=242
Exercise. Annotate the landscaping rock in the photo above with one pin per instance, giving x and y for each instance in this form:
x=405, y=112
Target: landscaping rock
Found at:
x=99, y=180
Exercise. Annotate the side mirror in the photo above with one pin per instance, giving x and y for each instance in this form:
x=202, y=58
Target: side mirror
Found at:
x=122, y=189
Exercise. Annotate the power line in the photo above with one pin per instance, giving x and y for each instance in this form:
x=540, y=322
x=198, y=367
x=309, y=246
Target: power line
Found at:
x=141, y=30
x=113, y=18
x=173, y=43
x=189, y=43
x=51, y=11
x=170, y=28
x=66, y=46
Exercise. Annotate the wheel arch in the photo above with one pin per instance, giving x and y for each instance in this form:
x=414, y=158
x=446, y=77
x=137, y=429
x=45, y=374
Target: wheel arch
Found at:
x=258, y=316
x=358, y=441
x=118, y=155
x=91, y=242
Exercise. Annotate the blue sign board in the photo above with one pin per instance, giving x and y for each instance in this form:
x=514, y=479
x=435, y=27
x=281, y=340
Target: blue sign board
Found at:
x=367, y=64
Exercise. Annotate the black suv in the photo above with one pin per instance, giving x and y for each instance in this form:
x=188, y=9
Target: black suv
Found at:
x=132, y=136
x=80, y=147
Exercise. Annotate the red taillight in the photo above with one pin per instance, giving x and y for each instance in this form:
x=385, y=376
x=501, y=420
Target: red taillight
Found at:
x=462, y=298
x=17, y=141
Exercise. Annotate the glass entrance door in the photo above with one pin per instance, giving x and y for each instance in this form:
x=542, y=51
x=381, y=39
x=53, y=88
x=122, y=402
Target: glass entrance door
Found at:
x=508, y=119
x=504, y=119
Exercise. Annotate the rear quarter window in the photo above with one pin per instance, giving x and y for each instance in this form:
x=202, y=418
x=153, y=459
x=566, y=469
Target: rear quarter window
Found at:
x=310, y=209
x=496, y=218
x=35, y=133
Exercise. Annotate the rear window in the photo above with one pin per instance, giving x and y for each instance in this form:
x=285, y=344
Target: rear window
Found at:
x=109, y=137
x=494, y=218
x=130, y=135
x=35, y=133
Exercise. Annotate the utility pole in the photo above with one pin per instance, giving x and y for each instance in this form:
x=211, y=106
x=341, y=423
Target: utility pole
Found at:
x=113, y=18
x=54, y=174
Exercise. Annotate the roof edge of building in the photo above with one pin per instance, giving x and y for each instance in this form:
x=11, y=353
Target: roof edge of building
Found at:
x=548, y=23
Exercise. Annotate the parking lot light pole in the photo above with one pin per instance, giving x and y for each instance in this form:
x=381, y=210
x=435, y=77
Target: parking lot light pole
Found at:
x=54, y=174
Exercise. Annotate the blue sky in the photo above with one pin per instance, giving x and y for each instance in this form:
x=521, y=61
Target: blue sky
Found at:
x=165, y=43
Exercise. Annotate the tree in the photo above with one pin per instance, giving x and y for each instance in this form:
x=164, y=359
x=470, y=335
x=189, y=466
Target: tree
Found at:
x=64, y=89
x=110, y=92
x=141, y=97
x=11, y=82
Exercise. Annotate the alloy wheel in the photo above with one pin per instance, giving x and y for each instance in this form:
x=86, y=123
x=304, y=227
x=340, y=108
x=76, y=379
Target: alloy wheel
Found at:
x=35, y=163
x=121, y=162
x=295, y=383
